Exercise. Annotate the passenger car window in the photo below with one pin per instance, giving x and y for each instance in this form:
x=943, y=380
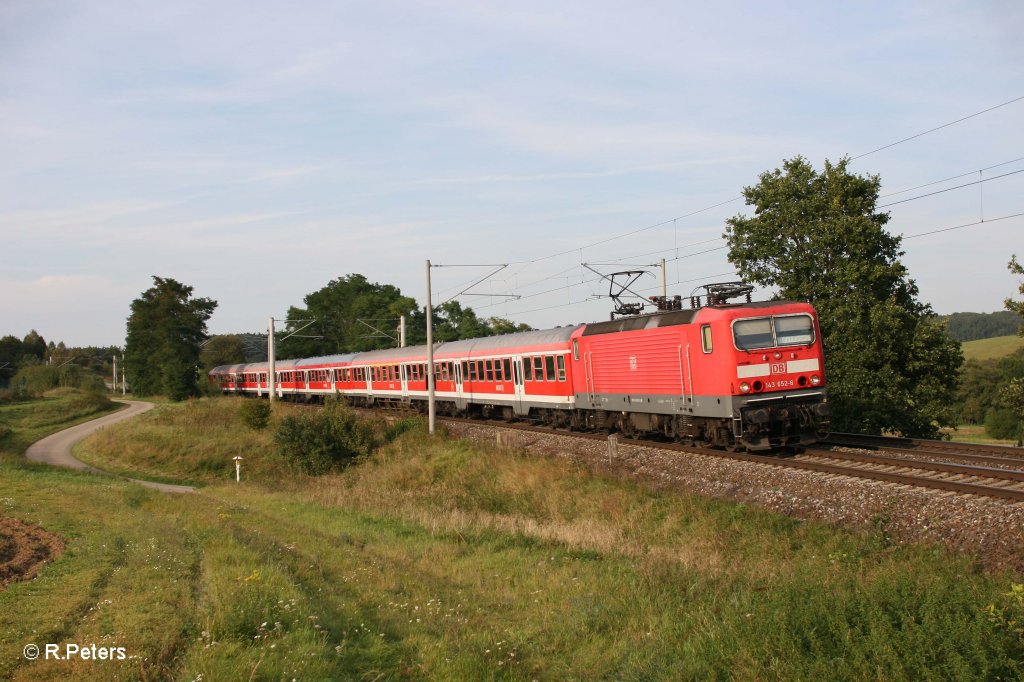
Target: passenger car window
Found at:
x=549, y=365
x=561, y=368
x=527, y=370
x=506, y=369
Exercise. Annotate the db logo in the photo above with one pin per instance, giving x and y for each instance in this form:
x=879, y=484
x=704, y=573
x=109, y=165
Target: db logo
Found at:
x=632, y=363
x=778, y=368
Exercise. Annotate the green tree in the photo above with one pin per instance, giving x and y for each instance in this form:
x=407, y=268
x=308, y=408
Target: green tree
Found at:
x=1012, y=398
x=223, y=349
x=336, y=311
x=1012, y=305
x=11, y=351
x=165, y=330
x=499, y=325
x=34, y=345
x=818, y=237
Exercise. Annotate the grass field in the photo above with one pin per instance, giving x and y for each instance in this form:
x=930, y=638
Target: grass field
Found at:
x=439, y=560
x=994, y=348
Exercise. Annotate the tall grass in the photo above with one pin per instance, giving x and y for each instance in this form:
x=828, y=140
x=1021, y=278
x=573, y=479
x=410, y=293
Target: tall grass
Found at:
x=195, y=441
x=433, y=559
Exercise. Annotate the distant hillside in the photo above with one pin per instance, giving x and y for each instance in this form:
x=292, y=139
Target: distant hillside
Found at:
x=992, y=349
x=972, y=326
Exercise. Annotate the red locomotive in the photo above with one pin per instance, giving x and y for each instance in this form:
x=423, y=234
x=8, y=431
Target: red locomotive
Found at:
x=747, y=375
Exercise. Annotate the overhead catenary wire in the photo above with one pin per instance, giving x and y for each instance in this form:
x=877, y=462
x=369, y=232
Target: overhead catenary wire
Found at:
x=672, y=221
x=932, y=130
x=958, y=227
x=950, y=189
x=953, y=177
x=728, y=201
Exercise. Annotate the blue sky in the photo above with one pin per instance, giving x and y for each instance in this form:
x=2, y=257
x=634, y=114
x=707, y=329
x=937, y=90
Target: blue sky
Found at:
x=257, y=150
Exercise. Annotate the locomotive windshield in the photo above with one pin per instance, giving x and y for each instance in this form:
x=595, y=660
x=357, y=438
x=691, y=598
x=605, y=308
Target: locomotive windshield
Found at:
x=770, y=332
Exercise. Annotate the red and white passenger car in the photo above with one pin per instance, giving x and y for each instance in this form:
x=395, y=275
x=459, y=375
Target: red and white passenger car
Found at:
x=747, y=375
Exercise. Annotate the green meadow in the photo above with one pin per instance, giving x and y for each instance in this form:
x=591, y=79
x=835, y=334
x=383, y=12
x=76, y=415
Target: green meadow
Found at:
x=439, y=559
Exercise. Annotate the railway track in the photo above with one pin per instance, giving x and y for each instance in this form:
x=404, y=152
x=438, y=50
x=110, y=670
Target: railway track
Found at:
x=993, y=455
x=977, y=479
x=984, y=481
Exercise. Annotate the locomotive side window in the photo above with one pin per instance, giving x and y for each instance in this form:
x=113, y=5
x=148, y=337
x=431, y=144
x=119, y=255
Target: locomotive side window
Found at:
x=753, y=334
x=705, y=338
x=795, y=330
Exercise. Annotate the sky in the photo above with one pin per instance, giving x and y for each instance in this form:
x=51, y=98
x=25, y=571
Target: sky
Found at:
x=257, y=150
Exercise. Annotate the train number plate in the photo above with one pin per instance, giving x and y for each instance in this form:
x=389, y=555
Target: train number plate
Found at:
x=778, y=368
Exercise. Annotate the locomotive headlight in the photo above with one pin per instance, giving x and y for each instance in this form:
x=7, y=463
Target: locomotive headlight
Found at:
x=815, y=380
x=744, y=387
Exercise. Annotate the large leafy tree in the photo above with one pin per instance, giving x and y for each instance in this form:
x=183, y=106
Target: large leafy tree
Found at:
x=343, y=315
x=11, y=351
x=223, y=349
x=819, y=237
x=1012, y=395
x=34, y=345
x=1012, y=305
x=165, y=330
x=353, y=314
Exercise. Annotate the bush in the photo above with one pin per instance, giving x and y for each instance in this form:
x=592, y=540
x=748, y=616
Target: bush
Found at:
x=317, y=441
x=255, y=413
x=35, y=379
x=1001, y=423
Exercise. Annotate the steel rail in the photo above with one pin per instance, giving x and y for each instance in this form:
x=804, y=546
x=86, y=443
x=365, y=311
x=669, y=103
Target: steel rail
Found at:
x=927, y=465
x=892, y=442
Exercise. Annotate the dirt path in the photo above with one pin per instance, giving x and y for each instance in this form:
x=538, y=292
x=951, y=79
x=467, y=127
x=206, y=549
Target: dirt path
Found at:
x=56, y=448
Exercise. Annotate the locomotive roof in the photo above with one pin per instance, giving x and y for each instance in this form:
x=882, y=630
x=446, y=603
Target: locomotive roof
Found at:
x=628, y=324
x=670, y=318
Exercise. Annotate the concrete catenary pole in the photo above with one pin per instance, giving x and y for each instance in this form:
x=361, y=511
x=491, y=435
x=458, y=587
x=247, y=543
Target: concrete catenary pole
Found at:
x=431, y=410
x=113, y=385
x=401, y=331
x=124, y=384
x=270, y=361
x=664, y=281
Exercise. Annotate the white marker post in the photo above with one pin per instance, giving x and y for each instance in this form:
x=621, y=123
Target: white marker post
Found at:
x=238, y=468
